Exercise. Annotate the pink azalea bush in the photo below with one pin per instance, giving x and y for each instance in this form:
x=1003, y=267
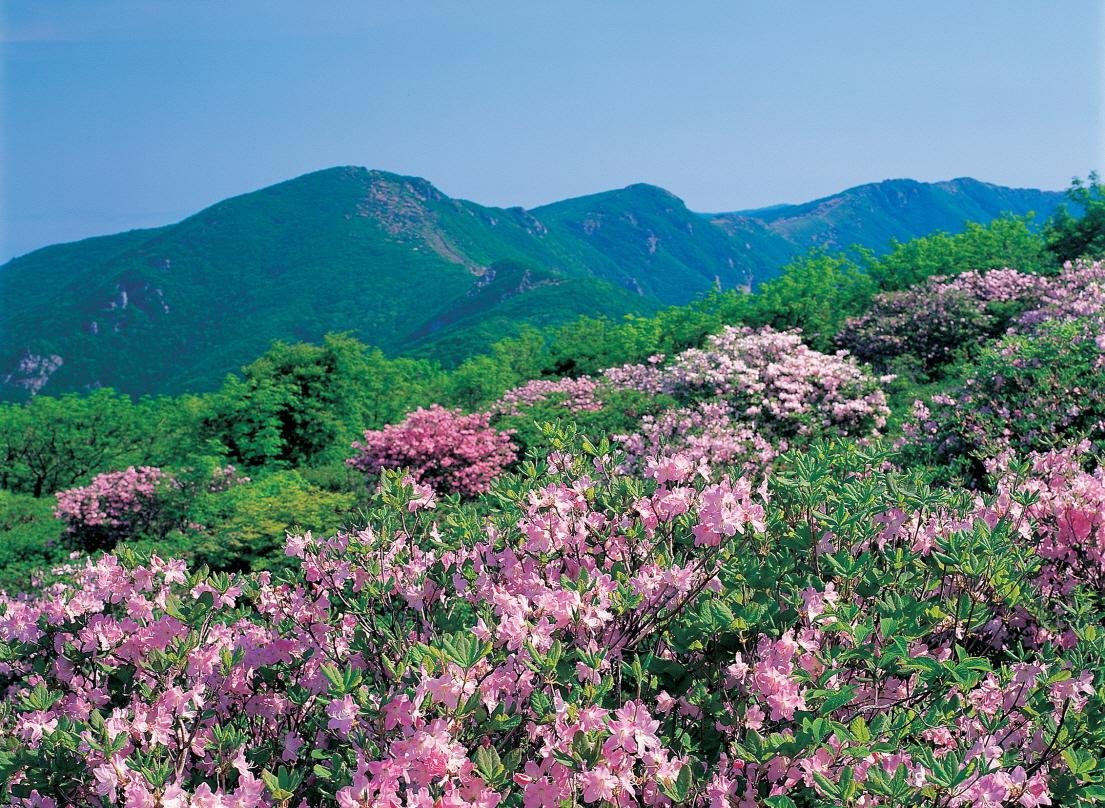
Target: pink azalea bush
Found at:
x=708, y=435
x=1068, y=510
x=1025, y=392
x=114, y=505
x=931, y=323
x=737, y=400
x=574, y=394
x=1077, y=292
x=773, y=379
x=445, y=449
x=836, y=635
x=223, y=478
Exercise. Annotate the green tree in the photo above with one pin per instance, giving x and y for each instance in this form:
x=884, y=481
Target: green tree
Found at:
x=51, y=443
x=1005, y=242
x=1070, y=237
x=815, y=293
x=300, y=404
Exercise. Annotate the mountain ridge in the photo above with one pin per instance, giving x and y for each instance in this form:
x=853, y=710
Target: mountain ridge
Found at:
x=892, y=209
x=399, y=263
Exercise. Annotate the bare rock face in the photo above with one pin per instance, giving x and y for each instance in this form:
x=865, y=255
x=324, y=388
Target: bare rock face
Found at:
x=33, y=371
x=404, y=208
x=133, y=296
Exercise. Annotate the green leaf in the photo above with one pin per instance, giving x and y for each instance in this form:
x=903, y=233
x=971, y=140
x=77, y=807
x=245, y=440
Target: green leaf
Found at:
x=859, y=730
x=839, y=699
x=780, y=802
x=680, y=788
x=488, y=764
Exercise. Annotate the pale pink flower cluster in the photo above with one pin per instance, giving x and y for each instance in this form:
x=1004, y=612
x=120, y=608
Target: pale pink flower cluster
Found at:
x=644, y=378
x=114, y=505
x=445, y=449
x=768, y=379
x=773, y=377
x=574, y=394
x=708, y=433
x=1077, y=292
x=224, y=478
x=761, y=387
x=743, y=395
x=997, y=285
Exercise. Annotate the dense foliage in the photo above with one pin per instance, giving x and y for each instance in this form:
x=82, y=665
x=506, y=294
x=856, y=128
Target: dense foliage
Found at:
x=1071, y=236
x=735, y=566
x=1041, y=386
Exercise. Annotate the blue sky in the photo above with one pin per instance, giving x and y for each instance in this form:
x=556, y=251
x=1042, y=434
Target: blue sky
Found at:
x=119, y=114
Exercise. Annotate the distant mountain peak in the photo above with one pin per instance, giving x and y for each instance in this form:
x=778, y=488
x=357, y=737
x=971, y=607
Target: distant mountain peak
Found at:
x=635, y=193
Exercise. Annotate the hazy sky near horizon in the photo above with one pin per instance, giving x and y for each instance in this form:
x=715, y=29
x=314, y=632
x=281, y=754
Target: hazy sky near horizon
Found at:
x=132, y=113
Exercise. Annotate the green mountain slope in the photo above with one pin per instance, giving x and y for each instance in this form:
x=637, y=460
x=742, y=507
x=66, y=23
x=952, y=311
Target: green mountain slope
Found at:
x=873, y=214
x=644, y=238
x=403, y=266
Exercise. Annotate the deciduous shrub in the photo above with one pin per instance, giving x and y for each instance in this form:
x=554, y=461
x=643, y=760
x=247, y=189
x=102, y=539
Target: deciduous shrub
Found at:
x=1026, y=392
x=244, y=526
x=30, y=541
x=115, y=505
x=445, y=449
x=839, y=635
x=1068, y=509
x=923, y=328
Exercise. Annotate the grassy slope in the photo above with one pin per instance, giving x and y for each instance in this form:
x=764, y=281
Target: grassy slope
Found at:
x=543, y=298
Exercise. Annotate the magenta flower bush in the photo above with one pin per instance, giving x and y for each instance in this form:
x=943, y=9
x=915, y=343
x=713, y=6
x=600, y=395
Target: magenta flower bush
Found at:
x=837, y=635
x=445, y=449
x=115, y=505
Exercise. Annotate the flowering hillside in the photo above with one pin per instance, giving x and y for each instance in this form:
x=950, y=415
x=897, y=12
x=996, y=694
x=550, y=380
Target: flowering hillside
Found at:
x=740, y=554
